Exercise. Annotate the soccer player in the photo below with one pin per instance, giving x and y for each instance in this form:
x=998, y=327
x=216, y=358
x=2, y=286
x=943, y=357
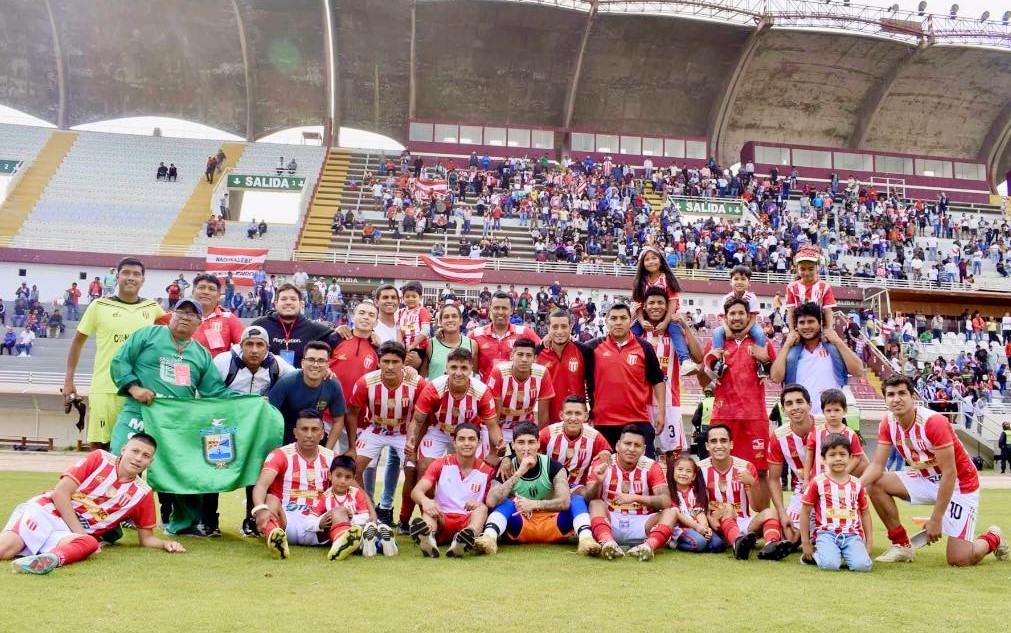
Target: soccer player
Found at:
x=671, y=436
x=447, y=401
x=630, y=501
x=309, y=388
x=740, y=395
x=565, y=361
x=833, y=407
x=495, y=340
x=159, y=362
x=940, y=473
x=574, y=443
x=385, y=399
x=451, y=495
x=533, y=503
x=289, y=331
x=842, y=516
x=111, y=320
x=788, y=446
x=343, y=511
x=62, y=526
x=730, y=483
x=219, y=329
x=293, y=478
x=521, y=390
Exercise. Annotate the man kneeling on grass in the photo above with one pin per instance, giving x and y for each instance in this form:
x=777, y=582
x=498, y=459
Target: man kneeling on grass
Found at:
x=62, y=526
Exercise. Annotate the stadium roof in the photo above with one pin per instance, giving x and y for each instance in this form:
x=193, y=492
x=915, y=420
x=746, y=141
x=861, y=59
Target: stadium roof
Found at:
x=729, y=70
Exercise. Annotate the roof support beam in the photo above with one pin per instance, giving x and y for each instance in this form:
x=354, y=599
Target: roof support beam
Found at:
x=250, y=76
x=719, y=116
x=995, y=143
x=570, y=98
x=332, y=116
x=877, y=94
x=61, y=119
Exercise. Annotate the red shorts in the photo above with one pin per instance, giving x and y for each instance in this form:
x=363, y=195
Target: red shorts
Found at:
x=451, y=524
x=750, y=440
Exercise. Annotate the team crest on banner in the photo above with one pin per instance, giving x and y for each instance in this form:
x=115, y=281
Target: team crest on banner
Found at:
x=573, y=365
x=219, y=444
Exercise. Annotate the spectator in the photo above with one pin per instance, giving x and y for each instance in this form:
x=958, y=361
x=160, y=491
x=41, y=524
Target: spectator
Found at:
x=173, y=173
x=162, y=172
x=55, y=324
x=212, y=165
x=252, y=230
x=9, y=339
x=71, y=300
x=25, y=339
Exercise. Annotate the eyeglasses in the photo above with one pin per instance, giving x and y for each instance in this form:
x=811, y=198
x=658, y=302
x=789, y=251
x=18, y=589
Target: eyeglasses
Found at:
x=192, y=316
x=314, y=361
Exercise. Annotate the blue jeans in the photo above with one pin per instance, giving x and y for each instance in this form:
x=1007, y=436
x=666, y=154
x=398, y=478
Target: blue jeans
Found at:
x=677, y=339
x=693, y=541
x=832, y=549
x=390, y=478
x=894, y=459
x=720, y=335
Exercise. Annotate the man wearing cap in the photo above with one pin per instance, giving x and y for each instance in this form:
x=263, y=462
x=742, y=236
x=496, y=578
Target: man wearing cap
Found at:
x=251, y=369
x=165, y=362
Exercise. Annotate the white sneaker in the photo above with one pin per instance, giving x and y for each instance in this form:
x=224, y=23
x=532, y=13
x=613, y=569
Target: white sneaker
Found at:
x=897, y=554
x=388, y=539
x=588, y=546
x=1002, y=552
x=463, y=542
x=611, y=550
x=689, y=367
x=642, y=551
x=369, y=537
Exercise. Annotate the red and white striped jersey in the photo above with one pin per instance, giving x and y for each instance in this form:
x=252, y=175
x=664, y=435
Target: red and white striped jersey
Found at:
x=786, y=447
x=519, y=398
x=452, y=490
x=661, y=283
x=388, y=411
x=298, y=482
x=725, y=488
x=412, y=324
x=837, y=507
x=687, y=503
x=819, y=292
x=101, y=500
x=447, y=411
x=929, y=432
x=354, y=501
x=669, y=364
x=817, y=437
x=644, y=479
x=577, y=453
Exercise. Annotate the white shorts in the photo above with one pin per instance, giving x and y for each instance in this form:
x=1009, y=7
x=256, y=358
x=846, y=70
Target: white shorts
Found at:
x=370, y=444
x=434, y=444
x=39, y=530
x=673, y=436
x=629, y=529
x=793, y=510
x=960, y=518
x=301, y=529
x=507, y=437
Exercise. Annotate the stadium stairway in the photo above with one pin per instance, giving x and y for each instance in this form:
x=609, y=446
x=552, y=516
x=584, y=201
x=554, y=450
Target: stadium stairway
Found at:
x=22, y=200
x=192, y=217
x=316, y=230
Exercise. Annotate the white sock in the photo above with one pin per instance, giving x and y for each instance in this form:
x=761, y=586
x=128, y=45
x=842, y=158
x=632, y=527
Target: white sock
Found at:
x=496, y=523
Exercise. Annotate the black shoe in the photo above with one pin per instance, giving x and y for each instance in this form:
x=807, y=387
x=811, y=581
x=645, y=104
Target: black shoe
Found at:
x=404, y=528
x=197, y=530
x=211, y=526
x=743, y=545
x=249, y=527
x=777, y=550
x=385, y=515
x=113, y=535
x=419, y=528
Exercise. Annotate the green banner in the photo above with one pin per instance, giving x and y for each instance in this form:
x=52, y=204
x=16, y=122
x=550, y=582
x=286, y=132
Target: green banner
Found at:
x=708, y=206
x=210, y=444
x=275, y=183
x=8, y=166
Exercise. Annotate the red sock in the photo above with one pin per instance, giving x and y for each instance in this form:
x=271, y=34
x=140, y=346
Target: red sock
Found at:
x=79, y=548
x=992, y=541
x=269, y=525
x=898, y=536
x=772, y=530
x=730, y=530
x=337, y=529
x=658, y=536
x=601, y=530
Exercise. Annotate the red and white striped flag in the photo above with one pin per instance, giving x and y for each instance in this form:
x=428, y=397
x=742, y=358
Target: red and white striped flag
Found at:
x=461, y=270
x=241, y=262
x=428, y=189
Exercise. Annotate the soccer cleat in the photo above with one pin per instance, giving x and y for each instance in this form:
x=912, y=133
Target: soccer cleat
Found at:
x=277, y=541
x=249, y=527
x=346, y=543
x=387, y=540
x=486, y=544
x=897, y=554
x=40, y=564
x=463, y=542
x=689, y=367
x=385, y=515
x=369, y=536
x=422, y=535
x=1001, y=553
x=404, y=528
x=588, y=546
x=776, y=550
x=611, y=550
x=642, y=551
x=743, y=545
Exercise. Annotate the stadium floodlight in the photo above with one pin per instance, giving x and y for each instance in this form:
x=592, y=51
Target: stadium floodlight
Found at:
x=846, y=3
x=954, y=10
x=894, y=8
x=1006, y=18
x=922, y=8
x=985, y=16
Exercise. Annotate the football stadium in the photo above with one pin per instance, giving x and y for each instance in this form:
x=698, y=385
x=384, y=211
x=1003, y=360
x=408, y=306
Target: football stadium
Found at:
x=621, y=315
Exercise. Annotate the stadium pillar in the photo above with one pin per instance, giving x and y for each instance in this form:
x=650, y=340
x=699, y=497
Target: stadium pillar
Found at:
x=719, y=116
x=876, y=96
x=411, y=77
x=332, y=127
x=577, y=70
x=250, y=75
x=995, y=143
x=61, y=120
